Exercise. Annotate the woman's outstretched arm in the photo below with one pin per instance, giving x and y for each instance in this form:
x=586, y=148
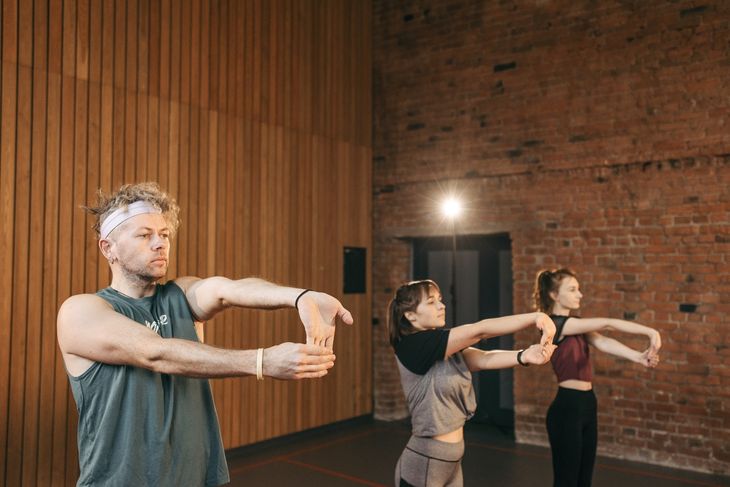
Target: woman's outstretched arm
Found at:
x=647, y=358
x=465, y=336
x=501, y=359
x=578, y=326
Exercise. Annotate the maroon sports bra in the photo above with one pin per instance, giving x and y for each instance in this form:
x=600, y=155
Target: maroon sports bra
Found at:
x=572, y=358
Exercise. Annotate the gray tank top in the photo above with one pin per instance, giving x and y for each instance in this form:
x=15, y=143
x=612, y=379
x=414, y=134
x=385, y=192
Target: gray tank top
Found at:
x=442, y=399
x=138, y=427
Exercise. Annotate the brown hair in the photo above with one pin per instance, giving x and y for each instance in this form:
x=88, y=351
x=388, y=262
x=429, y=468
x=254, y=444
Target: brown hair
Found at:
x=406, y=298
x=546, y=282
x=128, y=194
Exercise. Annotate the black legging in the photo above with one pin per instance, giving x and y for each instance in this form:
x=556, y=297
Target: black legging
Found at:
x=573, y=431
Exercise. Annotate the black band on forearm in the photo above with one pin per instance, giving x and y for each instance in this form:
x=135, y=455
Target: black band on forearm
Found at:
x=296, y=301
x=519, y=359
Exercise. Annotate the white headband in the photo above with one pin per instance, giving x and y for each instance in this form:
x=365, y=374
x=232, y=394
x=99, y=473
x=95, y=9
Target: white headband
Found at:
x=120, y=215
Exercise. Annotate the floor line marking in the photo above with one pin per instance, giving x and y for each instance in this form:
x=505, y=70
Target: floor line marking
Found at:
x=335, y=473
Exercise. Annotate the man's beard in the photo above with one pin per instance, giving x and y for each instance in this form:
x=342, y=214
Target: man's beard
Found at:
x=140, y=277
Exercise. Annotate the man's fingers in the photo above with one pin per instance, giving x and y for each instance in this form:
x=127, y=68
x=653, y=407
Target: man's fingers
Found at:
x=304, y=368
x=311, y=375
x=345, y=316
x=315, y=355
x=315, y=360
x=313, y=349
x=312, y=371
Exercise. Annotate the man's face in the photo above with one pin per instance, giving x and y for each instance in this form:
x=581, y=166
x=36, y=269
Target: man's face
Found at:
x=141, y=247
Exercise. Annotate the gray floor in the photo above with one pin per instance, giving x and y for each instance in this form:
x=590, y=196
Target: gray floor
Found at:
x=364, y=452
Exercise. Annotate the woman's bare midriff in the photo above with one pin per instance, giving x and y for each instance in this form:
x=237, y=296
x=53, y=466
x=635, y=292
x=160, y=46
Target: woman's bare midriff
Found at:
x=578, y=385
x=452, y=437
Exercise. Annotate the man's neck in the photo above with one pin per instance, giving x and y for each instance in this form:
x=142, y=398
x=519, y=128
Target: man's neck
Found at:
x=136, y=289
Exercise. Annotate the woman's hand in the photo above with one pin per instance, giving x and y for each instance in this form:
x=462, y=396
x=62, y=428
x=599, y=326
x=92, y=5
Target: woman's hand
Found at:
x=538, y=354
x=655, y=342
x=649, y=358
x=546, y=325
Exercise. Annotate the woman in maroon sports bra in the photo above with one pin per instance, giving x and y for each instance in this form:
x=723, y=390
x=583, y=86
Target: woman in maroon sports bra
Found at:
x=572, y=418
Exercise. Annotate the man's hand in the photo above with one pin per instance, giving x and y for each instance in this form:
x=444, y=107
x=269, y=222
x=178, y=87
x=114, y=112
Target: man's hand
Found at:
x=544, y=323
x=319, y=313
x=297, y=361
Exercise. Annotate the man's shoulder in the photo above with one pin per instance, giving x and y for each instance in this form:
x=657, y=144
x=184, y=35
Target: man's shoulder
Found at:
x=79, y=305
x=83, y=299
x=183, y=282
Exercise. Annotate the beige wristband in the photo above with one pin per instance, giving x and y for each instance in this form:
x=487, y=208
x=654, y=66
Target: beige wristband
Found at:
x=260, y=364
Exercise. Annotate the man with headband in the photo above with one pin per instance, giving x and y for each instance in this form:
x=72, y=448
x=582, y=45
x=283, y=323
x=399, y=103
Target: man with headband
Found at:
x=137, y=370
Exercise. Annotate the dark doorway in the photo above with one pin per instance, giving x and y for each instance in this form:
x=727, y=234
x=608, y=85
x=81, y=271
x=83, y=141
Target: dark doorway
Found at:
x=483, y=289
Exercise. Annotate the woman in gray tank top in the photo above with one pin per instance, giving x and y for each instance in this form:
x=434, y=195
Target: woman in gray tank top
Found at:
x=435, y=366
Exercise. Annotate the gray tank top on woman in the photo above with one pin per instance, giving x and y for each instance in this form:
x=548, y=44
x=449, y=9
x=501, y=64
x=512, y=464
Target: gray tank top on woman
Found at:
x=441, y=400
x=142, y=428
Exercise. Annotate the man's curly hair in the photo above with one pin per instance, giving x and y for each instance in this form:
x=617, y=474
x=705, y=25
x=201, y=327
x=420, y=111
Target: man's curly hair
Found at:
x=129, y=193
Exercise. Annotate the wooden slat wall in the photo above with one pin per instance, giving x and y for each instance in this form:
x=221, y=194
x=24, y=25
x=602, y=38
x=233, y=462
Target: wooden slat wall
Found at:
x=255, y=114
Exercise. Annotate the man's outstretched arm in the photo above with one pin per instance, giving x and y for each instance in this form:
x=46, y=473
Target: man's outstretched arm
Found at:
x=317, y=311
x=89, y=330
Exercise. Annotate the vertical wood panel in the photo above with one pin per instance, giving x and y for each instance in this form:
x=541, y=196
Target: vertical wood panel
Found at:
x=50, y=420
x=143, y=102
x=195, y=59
x=254, y=115
x=8, y=88
x=204, y=52
x=35, y=408
x=165, y=48
x=20, y=226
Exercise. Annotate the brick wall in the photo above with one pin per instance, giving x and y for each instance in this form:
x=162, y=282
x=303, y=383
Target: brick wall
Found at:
x=594, y=134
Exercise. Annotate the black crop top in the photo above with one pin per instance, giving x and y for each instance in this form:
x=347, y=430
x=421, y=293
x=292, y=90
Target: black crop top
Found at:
x=419, y=351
